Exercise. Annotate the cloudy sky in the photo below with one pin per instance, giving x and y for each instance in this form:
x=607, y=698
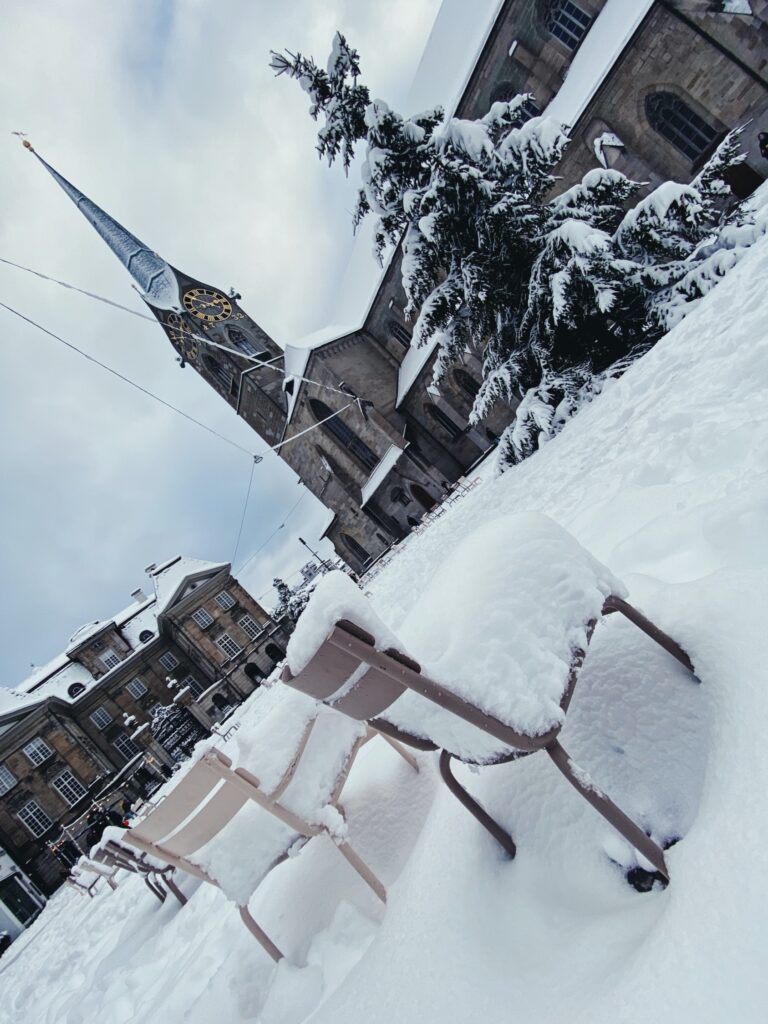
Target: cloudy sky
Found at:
x=166, y=114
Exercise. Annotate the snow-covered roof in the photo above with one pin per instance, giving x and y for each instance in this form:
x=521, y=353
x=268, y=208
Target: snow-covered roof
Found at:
x=169, y=577
x=416, y=358
x=379, y=472
x=295, y=359
x=457, y=38
x=603, y=45
x=85, y=632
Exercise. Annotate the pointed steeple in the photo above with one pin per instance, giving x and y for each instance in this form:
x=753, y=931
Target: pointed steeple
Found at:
x=155, y=278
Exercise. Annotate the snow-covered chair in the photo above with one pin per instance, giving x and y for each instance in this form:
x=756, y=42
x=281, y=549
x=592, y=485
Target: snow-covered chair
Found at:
x=228, y=827
x=529, y=597
x=157, y=876
x=87, y=874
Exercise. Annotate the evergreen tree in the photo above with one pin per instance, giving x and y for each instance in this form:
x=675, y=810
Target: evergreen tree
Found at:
x=554, y=294
x=283, y=597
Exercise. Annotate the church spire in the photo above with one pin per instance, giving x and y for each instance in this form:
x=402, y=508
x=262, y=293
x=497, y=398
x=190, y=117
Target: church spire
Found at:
x=155, y=278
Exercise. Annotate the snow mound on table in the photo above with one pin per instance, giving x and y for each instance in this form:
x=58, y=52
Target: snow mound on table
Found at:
x=498, y=625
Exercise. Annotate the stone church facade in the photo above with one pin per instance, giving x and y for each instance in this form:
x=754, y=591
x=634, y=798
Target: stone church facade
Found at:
x=79, y=729
x=378, y=467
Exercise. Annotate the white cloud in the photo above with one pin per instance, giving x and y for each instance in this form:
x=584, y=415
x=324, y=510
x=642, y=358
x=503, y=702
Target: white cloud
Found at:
x=167, y=115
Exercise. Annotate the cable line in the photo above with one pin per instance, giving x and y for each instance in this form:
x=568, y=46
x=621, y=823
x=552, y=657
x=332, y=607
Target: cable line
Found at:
x=245, y=509
x=127, y=380
x=266, y=364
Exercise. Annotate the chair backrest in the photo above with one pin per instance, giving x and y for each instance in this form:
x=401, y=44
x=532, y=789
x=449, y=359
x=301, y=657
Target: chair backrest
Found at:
x=182, y=801
x=332, y=665
x=389, y=674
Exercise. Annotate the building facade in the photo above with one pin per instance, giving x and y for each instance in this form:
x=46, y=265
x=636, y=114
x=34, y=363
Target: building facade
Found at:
x=631, y=103
x=84, y=727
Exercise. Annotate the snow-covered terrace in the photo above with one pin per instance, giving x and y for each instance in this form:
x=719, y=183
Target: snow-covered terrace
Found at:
x=663, y=479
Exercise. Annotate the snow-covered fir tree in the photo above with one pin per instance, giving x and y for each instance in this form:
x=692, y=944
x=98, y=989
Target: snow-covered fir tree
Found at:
x=554, y=294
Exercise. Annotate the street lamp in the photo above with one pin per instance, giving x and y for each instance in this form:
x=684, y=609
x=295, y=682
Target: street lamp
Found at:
x=322, y=561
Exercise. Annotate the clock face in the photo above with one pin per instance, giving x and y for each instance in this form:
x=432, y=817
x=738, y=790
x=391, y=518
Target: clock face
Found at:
x=207, y=305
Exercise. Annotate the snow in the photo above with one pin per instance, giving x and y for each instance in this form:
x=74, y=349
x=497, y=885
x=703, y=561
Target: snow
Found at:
x=416, y=358
x=526, y=612
x=380, y=471
x=603, y=45
x=663, y=479
x=169, y=577
x=608, y=140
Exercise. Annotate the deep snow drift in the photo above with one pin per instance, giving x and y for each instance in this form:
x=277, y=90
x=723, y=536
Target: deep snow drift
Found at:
x=664, y=480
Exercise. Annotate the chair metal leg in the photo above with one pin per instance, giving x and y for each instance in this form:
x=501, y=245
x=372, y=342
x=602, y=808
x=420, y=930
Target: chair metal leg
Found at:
x=154, y=888
x=401, y=751
x=605, y=806
x=490, y=824
x=363, y=870
x=173, y=888
x=259, y=934
x=617, y=604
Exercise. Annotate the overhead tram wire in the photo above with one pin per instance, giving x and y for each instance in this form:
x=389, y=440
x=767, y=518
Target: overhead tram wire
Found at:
x=266, y=364
x=274, y=533
x=255, y=458
x=126, y=380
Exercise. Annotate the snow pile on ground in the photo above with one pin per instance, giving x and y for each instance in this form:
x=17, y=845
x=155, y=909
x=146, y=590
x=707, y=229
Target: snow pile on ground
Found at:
x=664, y=479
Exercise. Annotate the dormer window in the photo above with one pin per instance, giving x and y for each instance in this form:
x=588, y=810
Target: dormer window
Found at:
x=109, y=659
x=145, y=636
x=75, y=690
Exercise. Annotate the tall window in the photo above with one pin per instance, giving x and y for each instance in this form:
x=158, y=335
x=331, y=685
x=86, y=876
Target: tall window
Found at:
x=34, y=817
x=125, y=746
x=250, y=626
x=356, y=548
x=37, y=751
x=168, y=661
x=230, y=647
x=567, y=22
x=195, y=687
x=468, y=384
x=100, y=717
x=344, y=434
x=203, y=618
x=671, y=117
x=109, y=659
x=400, y=333
x=69, y=788
x=224, y=600
x=7, y=779
x=241, y=341
x=136, y=688
x=443, y=419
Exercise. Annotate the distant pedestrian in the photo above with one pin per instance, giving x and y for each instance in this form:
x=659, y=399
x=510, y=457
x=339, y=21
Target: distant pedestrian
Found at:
x=762, y=142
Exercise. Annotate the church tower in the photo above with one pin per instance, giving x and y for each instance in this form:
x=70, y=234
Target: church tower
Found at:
x=247, y=370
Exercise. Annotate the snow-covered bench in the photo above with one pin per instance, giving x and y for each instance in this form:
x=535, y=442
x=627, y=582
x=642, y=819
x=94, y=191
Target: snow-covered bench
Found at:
x=86, y=875
x=227, y=826
x=530, y=598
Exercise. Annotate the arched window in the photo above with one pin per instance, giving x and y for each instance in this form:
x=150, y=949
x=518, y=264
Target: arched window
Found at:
x=671, y=117
x=467, y=383
x=220, y=373
x=567, y=22
x=75, y=689
x=399, y=333
x=274, y=653
x=253, y=672
x=241, y=341
x=356, y=548
x=443, y=419
x=145, y=635
x=423, y=497
x=344, y=434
